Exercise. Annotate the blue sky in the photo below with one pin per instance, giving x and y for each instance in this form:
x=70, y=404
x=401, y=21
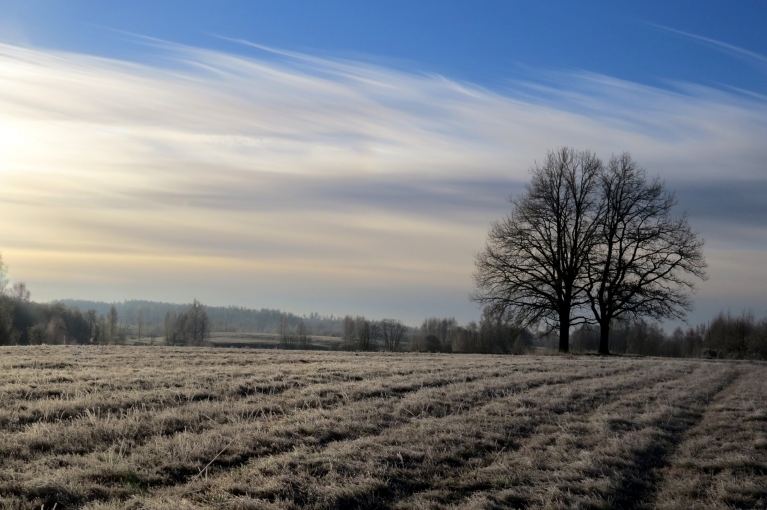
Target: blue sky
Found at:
x=347, y=157
x=486, y=43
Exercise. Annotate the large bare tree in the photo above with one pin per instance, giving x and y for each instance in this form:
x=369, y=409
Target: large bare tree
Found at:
x=534, y=263
x=644, y=255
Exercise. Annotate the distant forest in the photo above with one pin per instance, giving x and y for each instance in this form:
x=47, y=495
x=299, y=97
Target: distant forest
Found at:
x=222, y=318
x=24, y=322
x=70, y=321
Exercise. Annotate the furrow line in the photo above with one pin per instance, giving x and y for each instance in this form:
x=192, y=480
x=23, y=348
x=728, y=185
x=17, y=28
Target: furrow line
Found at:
x=397, y=476
x=604, y=460
x=158, y=464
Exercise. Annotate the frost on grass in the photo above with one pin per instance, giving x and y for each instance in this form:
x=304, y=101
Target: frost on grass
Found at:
x=154, y=427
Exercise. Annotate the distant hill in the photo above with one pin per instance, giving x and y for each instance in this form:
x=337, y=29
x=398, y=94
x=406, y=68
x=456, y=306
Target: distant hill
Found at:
x=223, y=318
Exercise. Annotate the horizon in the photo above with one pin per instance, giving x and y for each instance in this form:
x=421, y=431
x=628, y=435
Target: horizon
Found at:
x=349, y=160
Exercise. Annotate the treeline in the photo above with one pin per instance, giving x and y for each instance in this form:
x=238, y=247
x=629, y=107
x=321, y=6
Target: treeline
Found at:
x=436, y=334
x=490, y=335
x=24, y=322
x=222, y=318
x=293, y=337
x=190, y=327
x=363, y=334
x=27, y=323
x=727, y=336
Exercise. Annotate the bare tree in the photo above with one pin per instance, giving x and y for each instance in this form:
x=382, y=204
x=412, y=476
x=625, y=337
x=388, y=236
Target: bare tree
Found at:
x=393, y=333
x=533, y=266
x=140, y=322
x=363, y=333
x=187, y=328
x=121, y=336
x=282, y=330
x=112, y=318
x=303, y=338
x=7, y=336
x=20, y=292
x=643, y=254
x=169, y=329
x=466, y=338
x=442, y=328
x=57, y=331
x=197, y=323
x=375, y=334
x=93, y=325
x=349, y=326
x=6, y=307
x=3, y=276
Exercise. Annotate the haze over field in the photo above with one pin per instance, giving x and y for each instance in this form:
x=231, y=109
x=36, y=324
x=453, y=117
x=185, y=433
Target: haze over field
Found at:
x=345, y=173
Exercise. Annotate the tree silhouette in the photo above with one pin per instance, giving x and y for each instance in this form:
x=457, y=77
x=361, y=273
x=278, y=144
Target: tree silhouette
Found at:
x=533, y=265
x=643, y=254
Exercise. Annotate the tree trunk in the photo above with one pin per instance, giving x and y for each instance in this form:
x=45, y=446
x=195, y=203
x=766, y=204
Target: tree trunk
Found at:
x=564, y=332
x=604, y=337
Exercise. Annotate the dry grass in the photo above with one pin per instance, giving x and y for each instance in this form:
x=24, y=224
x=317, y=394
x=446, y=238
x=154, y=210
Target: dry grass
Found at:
x=159, y=427
x=267, y=341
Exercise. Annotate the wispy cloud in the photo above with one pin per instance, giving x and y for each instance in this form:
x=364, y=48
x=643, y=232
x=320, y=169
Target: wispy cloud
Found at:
x=749, y=56
x=290, y=180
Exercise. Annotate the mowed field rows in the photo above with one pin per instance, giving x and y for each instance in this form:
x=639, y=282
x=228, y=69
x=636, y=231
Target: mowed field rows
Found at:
x=158, y=427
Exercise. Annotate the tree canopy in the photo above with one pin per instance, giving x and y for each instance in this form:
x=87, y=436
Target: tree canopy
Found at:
x=588, y=243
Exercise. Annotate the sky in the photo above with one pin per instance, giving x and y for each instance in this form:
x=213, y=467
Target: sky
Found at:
x=348, y=157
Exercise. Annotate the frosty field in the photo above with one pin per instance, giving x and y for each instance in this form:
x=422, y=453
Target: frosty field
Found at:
x=158, y=427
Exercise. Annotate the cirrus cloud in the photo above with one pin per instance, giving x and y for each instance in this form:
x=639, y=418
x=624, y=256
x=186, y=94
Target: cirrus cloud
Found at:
x=287, y=180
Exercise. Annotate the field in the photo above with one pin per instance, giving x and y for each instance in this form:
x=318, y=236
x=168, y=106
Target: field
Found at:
x=266, y=341
x=159, y=427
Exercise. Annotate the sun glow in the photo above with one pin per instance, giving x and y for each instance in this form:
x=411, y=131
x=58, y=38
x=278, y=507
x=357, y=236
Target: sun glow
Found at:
x=290, y=171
